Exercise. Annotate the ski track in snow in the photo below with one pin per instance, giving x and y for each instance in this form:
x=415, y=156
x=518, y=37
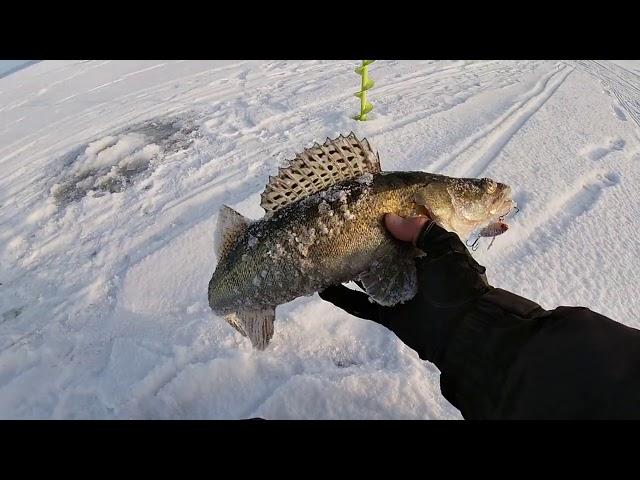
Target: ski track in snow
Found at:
x=495, y=140
x=623, y=85
x=549, y=225
x=489, y=141
x=103, y=309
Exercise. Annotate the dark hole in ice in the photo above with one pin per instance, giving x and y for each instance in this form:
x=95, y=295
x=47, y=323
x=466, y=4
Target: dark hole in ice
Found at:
x=114, y=161
x=345, y=362
x=11, y=314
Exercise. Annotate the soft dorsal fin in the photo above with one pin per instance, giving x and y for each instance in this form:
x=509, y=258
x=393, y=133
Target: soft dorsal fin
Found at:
x=318, y=168
x=230, y=226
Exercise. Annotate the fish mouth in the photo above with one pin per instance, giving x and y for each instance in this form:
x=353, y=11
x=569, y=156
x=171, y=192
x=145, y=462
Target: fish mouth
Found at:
x=502, y=203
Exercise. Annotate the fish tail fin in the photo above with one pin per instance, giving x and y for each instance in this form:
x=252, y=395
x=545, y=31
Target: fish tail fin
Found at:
x=257, y=325
x=230, y=226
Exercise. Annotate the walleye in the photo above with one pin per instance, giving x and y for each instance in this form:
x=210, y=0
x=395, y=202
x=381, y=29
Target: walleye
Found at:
x=324, y=225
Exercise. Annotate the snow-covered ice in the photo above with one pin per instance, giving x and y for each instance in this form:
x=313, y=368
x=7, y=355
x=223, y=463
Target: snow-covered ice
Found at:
x=112, y=174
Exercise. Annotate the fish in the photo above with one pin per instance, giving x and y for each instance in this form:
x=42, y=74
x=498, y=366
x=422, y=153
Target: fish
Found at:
x=324, y=225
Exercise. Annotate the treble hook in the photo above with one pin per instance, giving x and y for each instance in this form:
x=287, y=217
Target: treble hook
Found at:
x=474, y=246
x=492, y=240
x=501, y=218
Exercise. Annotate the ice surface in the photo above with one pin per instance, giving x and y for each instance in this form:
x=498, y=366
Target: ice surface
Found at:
x=103, y=295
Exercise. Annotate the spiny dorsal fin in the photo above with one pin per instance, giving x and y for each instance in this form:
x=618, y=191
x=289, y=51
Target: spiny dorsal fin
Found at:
x=255, y=324
x=230, y=226
x=318, y=168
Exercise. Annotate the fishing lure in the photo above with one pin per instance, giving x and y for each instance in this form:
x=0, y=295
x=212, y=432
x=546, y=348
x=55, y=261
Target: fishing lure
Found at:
x=492, y=230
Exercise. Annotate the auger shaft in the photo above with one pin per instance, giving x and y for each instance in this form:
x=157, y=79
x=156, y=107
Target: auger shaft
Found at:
x=365, y=84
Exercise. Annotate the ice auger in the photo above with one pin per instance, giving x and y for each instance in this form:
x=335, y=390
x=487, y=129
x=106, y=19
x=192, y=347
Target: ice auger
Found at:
x=366, y=84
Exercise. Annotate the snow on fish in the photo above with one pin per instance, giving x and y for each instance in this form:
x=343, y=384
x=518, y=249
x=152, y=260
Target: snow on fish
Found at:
x=324, y=225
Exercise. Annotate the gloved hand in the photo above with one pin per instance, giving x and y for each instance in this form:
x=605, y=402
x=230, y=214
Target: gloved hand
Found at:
x=449, y=283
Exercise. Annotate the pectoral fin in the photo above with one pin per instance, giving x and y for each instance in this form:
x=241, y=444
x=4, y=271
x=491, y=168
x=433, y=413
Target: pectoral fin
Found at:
x=392, y=278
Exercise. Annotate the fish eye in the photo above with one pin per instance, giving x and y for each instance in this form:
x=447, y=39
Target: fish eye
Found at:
x=489, y=185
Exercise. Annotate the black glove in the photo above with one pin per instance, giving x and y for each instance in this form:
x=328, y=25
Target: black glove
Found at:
x=449, y=283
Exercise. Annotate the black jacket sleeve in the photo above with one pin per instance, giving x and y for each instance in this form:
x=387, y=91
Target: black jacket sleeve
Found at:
x=509, y=358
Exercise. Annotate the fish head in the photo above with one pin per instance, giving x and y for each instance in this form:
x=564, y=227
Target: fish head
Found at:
x=480, y=199
x=464, y=204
